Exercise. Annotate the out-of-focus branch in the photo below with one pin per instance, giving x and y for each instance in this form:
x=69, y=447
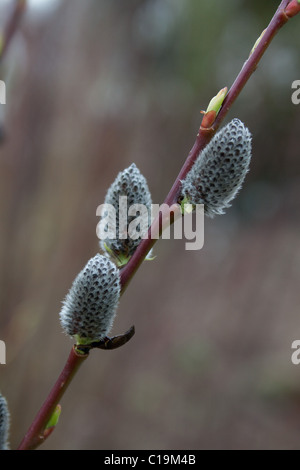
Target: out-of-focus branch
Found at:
x=11, y=26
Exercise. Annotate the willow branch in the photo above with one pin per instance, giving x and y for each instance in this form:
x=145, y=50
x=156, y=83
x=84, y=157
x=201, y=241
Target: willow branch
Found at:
x=38, y=432
x=205, y=134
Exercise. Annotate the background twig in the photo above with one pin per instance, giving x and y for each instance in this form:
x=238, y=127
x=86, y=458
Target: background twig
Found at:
x=12, y=26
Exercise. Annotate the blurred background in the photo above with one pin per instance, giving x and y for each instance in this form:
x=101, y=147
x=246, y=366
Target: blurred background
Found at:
x=92, y=87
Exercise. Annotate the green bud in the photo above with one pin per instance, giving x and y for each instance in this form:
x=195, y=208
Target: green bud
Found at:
x=257, y=42
x=54, y=417
x=217, y=101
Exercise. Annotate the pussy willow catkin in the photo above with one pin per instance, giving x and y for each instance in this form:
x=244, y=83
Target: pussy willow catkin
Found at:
x=4, y=423
x=90, y=306
x=220, y=169
x=132, y=186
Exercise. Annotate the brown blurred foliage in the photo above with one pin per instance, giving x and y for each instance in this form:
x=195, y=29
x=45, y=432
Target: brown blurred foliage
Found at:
x=92, y=87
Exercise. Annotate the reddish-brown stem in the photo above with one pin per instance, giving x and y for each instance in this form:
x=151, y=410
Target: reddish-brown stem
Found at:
x=11, y=26
x=205, y=135
x=36, y=435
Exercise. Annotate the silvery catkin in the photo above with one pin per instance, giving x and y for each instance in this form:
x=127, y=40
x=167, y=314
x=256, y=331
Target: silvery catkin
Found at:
x=90, y=306
x=133, y=185
x=4, y=423
x=220, y=169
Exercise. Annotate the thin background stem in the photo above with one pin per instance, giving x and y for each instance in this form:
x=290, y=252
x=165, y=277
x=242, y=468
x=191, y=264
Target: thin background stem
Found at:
x=12, y=26
x=10, y=29
x=35, y=435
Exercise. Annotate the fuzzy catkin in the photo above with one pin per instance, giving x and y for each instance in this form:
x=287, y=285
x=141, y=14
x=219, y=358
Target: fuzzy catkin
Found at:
x=220, y=169
x=90, y=306
x=133, y=185
x=4, y=423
